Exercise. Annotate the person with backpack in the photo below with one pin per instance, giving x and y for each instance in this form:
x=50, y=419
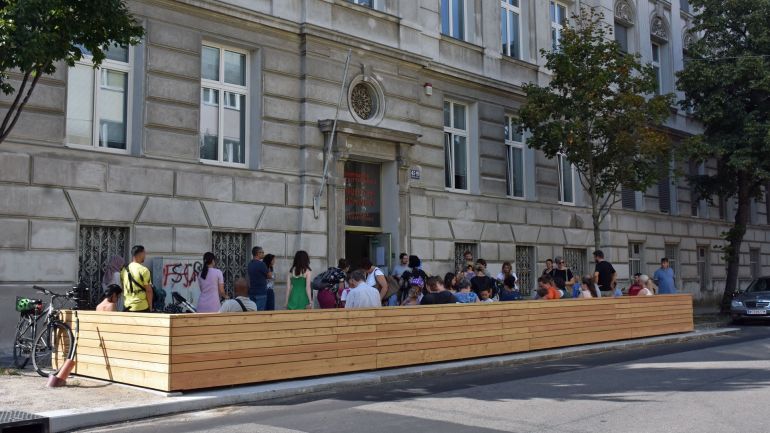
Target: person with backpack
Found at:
x=241, y=303
x=137, y=284
x=329, y=283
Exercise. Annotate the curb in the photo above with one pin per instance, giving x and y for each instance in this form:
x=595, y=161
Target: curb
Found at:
x=69, y=419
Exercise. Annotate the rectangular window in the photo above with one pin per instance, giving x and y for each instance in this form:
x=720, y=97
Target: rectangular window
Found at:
x=514, y=155
x=558, y=20
x=509, y=27
x=233, y=251
x=664, y=194
x=634, y=258
x=656, y=67
x=704, y=267
x=577, y=260
x=98, y=101
x=754, y=262
x=97, y=245
x=628, y=198
x=453, y=18
x=224, y=92
x=456, y=146
x=684, y=5
x=694, y=170
x=566, y=180
x=525, y=260
x=722, y=205
x=672, y=254
x=621, y=37
x=367, y=3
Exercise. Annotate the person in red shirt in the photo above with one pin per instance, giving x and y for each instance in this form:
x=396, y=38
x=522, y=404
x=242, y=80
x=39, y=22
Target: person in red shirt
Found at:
x=636, y=287
x=547, y=289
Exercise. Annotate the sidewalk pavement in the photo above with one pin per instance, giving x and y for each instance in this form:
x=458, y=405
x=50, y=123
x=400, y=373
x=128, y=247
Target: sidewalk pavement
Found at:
x=88, y=402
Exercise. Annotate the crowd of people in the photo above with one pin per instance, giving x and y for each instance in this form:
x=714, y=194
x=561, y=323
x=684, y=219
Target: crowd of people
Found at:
x=367, y=286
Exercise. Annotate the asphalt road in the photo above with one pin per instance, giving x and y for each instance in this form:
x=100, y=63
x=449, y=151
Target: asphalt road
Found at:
x=716, y=385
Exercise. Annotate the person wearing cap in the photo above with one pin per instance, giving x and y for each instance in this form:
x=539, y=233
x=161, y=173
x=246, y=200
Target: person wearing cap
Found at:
x=604, y=273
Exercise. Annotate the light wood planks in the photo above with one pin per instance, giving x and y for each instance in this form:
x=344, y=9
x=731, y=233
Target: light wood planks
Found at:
x=193, y=351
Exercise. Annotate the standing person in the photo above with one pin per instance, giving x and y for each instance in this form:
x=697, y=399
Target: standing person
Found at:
x=110, y=301
x=468, y=257
x=343, y=289
x=269, y=261
x=333, y=283
x=506, y=271
x=481, y=281
x=401, y=267
x=437, y=293
x=414, y=271
x=212, y=285
x=112, y=276
x=548, y=267
x=510, y=292
x=562, y=276
x=241, y=303
x=298, y=294
x=137, y=284
x=361, y=295
x=604, y=274
x=258, y=276
x=374, y=276
x=664, y=278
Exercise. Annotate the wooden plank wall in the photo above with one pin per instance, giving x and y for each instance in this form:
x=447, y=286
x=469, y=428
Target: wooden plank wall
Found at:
x=183, y=352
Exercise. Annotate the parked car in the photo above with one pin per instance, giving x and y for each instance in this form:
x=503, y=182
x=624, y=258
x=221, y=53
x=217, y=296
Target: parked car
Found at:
x=752, y=303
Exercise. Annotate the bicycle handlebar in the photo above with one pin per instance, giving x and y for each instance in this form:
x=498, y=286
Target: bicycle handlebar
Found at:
x=45, y=291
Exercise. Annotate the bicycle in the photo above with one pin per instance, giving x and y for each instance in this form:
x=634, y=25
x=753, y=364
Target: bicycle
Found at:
x=30, y=311
x=55, y=343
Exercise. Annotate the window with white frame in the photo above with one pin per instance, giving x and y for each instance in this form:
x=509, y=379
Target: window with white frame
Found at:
x=456, y=161
x=510, y=12
x=621, y=36
x=558, y=20
x=224, y=110
x=98, y=101
x=453, y=18
x=367, y=3
x=634, y=258
x=566, y=180
x=514, y=156
x=656, y=67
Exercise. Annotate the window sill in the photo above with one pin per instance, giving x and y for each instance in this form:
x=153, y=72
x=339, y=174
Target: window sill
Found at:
x=513, y=197
x=520, y=62
x=566, y=203
x=224, y=164
x=367, y=10
x=98, y=149
x=462, y=43
x=458, y=191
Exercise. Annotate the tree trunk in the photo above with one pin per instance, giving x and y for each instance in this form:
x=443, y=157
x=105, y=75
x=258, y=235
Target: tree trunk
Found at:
x=595, y=217
x=734, y=238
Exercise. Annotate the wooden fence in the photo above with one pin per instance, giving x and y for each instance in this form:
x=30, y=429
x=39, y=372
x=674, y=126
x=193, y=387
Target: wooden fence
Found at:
x=192, y=351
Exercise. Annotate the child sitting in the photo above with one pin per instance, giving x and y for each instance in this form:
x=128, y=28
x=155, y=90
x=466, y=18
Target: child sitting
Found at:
x=464, y=294
x=485, y=295
x=510, y=292
x=413, y=298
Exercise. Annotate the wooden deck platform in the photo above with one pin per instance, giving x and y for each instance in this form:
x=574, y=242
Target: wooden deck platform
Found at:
x=193, y=351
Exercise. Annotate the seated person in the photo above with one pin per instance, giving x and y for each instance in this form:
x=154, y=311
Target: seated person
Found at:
x=510, y=292
x=648, y=286
x=637, y=286
x=413, y=297
x=241, y=303
x=485, y=295
x=437, y=294
x=545, y=283
x=588, y=288
x=464, y=294
x=111, y=296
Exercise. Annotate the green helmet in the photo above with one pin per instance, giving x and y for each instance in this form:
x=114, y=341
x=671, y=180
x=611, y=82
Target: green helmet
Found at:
x=23, y=304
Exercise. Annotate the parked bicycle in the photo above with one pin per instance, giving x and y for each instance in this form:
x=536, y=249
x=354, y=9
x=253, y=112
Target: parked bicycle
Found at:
x=53, y=339
x=30, y=311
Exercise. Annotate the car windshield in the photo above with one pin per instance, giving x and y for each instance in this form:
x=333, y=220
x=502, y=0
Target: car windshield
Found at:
x=760, y=285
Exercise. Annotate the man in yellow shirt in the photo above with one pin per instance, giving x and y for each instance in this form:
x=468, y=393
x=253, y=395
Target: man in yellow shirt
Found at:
x=137, y=287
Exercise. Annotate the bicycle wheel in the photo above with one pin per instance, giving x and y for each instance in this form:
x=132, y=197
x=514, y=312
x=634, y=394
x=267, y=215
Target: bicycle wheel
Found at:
x=52, y=347
x=22, y=342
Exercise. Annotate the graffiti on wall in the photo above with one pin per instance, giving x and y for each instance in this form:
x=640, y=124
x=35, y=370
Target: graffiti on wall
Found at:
x=175, y=274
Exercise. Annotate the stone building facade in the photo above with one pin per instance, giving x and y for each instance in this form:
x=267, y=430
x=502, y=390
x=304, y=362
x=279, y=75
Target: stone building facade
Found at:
x=212, y=133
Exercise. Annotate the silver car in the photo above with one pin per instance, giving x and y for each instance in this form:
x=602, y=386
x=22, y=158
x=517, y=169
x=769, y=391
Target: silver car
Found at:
x=752, y=303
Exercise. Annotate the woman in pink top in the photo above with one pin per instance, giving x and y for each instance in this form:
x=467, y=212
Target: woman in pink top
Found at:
x=212, y=285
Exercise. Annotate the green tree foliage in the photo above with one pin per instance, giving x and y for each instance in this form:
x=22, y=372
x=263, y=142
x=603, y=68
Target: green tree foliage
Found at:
x=726, y=83
x=601, y=112
x=37, y=34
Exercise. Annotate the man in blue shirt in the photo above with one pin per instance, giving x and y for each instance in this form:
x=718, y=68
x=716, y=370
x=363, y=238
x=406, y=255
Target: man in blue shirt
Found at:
x=664, y=278
x=258, y=276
